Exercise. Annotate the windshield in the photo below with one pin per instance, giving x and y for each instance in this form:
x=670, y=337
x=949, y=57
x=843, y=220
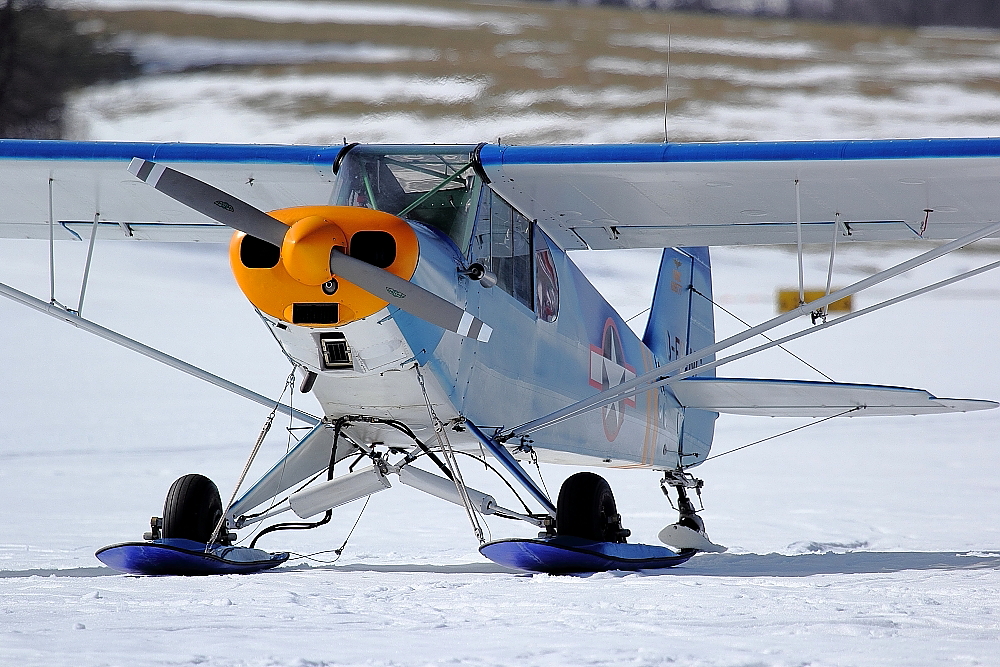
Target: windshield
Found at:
x=434, y=185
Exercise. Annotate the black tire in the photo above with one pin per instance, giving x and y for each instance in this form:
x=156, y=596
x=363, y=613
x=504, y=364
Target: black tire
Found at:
x=192, y=509
x=586, y=509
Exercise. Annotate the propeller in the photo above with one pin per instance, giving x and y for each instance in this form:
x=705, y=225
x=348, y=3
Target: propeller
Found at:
x=232, y=212
x=208, y=200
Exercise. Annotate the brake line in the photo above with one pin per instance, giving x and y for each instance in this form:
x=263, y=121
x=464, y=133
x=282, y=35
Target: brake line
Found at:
x=295, y=525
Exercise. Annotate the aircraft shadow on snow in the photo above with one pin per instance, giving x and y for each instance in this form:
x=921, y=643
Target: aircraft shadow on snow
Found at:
x=712, y=565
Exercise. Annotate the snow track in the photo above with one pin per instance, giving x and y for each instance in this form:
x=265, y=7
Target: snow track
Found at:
x=381, y=616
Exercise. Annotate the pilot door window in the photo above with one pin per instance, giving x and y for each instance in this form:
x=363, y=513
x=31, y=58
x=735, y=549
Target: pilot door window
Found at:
x=502, y=243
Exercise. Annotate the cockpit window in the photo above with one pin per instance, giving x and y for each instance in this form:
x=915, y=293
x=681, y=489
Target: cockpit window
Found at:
x=434, y=185
x=502, y=243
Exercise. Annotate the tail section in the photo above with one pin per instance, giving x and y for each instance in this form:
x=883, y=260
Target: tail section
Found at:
x=681, y=318
x=682, y=321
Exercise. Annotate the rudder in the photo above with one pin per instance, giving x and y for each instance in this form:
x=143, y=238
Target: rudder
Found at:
x=681, y=321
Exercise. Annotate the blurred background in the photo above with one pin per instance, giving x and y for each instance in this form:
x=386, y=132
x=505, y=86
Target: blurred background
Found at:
x=437, y=70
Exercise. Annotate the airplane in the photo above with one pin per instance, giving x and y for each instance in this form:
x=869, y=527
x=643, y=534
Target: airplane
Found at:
x=425, y=295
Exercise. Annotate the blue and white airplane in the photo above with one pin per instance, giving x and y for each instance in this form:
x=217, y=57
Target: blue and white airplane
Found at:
x=425, y=297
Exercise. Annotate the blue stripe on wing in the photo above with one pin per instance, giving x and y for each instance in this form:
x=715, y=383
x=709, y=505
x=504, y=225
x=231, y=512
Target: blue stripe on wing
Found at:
x=492, y=155
x=173, y=152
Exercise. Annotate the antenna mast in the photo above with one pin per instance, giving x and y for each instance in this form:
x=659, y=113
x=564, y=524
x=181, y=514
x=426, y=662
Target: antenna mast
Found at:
x=666, y=96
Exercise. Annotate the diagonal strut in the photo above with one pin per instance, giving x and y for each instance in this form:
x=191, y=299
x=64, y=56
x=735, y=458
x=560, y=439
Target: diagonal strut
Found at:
x=657, y=375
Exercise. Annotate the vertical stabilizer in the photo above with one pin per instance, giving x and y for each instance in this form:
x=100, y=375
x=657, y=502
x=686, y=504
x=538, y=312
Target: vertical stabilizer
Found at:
x=681, y=321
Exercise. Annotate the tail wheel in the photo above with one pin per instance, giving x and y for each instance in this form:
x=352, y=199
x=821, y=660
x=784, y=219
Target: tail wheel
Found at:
x=586, y=509
x=192, y=509
x=692, y=521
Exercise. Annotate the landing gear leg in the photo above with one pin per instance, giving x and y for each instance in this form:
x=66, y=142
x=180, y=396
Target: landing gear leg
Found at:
x=688, y=514
x=689, y=531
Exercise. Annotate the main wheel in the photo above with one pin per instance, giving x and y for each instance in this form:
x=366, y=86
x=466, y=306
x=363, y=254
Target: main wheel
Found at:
x=192, y=509
x=586, y=508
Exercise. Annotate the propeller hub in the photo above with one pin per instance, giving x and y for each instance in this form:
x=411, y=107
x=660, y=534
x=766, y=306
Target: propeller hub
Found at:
x=305, y=251
x=294, y=283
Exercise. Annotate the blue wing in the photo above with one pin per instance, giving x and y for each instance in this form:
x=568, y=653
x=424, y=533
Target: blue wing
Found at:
x=675, y=195
x=601, y=197
x=87, y=179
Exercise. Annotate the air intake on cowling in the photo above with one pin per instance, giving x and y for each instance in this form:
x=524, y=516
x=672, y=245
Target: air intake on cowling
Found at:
x=335, y=351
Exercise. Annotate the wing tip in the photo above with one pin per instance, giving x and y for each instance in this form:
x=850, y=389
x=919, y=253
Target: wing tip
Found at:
x=967, y=404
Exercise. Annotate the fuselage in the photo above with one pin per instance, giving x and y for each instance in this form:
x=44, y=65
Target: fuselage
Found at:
x=555, y=339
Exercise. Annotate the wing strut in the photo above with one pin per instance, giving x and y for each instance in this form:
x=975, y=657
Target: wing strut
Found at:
x=513, y=467
x=819, y=327
x=134, y=345
x=660, y=376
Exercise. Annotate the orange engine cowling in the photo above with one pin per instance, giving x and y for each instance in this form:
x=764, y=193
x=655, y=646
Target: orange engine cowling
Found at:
x=294, y=284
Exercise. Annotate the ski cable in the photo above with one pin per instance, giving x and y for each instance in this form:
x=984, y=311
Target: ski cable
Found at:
x=449, y=457
x=284, y=461
x=340, y=550
x=534, y=459
x=289, y=386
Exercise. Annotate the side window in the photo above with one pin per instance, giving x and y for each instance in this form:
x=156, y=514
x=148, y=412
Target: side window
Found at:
x=502, y=243
x=546, y=283
x=479, y=249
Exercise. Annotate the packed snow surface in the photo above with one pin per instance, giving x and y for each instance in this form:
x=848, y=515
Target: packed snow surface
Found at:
x=854, y=542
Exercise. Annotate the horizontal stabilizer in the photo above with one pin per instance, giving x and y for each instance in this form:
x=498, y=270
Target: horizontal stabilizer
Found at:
x=801, y=398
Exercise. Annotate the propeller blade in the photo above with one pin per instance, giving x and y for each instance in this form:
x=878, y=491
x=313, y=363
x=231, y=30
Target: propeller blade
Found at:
x=235, y=213
x=408, y=297
x=216, y=204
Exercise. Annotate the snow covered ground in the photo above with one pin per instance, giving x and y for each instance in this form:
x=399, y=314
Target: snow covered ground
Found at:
x=434, y=70
x=855, y=542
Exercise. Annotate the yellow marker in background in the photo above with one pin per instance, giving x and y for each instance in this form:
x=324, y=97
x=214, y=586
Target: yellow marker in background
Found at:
x=788, y=299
